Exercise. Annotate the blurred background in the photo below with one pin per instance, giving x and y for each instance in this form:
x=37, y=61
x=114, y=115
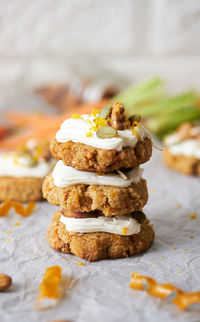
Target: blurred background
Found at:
x=48, y=47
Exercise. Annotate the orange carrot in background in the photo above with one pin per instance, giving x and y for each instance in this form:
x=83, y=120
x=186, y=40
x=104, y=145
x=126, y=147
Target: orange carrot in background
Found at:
x=38, y=126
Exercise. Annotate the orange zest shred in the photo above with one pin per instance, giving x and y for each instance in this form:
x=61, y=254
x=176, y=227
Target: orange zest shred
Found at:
x=81, y=264
x=76, y=116
x=151, y=286
x=156, y=147
x=94, y=112
x=135, y=128
x=124, y=231
x=89, y=134
x=49, y=287
x=193, y=216
x=95, y=124
x=20, y=209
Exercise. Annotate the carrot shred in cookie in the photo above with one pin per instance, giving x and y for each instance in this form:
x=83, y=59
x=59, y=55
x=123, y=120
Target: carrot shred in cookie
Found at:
x=49, y=287
x=164, y=291
x=20, y=209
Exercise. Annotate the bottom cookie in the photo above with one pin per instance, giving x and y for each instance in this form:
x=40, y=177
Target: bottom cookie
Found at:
x=96, y=246
x=21, y=189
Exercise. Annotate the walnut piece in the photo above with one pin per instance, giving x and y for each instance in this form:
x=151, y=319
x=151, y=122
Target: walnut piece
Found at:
x=118, y=118
x=5, y=282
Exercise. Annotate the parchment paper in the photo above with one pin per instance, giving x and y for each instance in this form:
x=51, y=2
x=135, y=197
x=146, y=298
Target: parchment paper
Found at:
x=101, y=292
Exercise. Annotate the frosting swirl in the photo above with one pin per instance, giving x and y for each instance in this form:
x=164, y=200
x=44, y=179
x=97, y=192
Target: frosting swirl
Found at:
x=75, y=130
x=64, y=176
x=121, y=225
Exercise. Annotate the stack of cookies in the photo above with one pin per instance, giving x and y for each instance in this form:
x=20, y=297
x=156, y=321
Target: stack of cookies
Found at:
x=98, y=184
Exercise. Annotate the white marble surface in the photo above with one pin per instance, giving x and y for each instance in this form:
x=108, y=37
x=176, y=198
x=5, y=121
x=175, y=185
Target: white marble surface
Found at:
x=101, y=292
x=51, y=41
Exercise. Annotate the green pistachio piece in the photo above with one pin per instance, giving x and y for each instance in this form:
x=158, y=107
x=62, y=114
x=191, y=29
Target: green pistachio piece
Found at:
x=105, y=112
x=139, y=216
x=135, y=117
x=106, y=132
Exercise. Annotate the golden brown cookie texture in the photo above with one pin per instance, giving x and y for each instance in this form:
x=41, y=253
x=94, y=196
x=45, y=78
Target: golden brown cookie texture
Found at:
x=110, y=200
x=23, y=189
x=88, y=158
x=182, y=163
x=97, y=246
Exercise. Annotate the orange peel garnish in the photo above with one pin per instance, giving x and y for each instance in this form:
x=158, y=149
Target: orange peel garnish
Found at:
x=24, y=211
x=5, y=208
x=49, y=287
x=184, y=300
x=20, y=209
x=164, y=291
x=156, y=147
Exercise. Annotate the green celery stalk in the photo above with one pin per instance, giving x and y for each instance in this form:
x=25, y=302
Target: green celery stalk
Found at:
x=171, y=104
x=150, y=90
x=163, y=124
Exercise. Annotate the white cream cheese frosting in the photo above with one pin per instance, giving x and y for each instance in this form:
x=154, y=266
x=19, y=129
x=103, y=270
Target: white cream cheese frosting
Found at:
x=64, y=176
x=189, y=147
x=75, y=130
x=121, y=225
x=9, y=168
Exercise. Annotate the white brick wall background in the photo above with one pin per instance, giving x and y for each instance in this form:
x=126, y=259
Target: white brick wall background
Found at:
x=52, y=40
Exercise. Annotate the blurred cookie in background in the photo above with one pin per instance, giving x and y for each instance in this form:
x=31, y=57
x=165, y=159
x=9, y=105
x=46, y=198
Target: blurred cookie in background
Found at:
x=68, y=96
x=22, y=171
x=182, y=149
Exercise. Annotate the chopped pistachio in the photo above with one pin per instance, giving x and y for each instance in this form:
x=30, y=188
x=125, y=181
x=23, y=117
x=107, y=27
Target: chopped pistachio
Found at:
x=105, y=112
x=135, y=117
x=106, y=132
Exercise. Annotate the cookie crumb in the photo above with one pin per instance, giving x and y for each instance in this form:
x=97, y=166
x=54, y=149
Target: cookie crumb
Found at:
x=175, y=248
x=9, y=231
x=17, y=223
x=191, y=236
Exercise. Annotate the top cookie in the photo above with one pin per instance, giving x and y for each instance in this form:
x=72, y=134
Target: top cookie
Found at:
x=103, y=141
